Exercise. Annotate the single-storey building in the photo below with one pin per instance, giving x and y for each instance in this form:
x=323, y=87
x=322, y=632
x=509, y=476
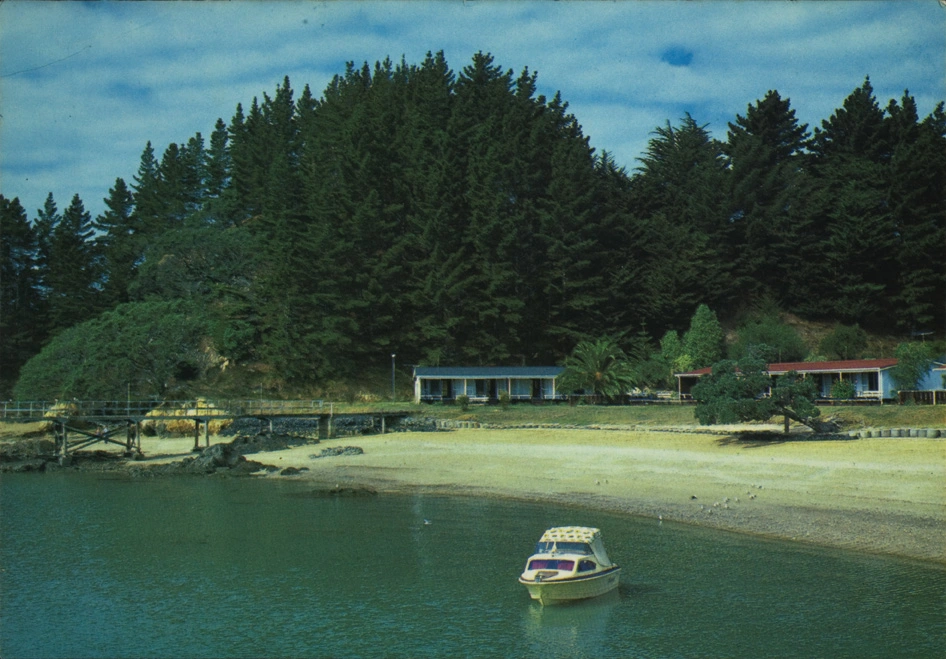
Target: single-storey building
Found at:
x=871, y=377
x=486, y=383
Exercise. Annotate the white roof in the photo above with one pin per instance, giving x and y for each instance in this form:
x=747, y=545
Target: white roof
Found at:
x=570, y=534
x=585, y=534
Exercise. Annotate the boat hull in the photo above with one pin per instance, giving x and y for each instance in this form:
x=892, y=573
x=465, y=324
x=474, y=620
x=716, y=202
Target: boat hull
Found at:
x=555, y=591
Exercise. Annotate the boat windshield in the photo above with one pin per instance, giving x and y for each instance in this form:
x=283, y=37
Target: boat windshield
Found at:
x=570, y=547
x=574, y=547
x=551, y=564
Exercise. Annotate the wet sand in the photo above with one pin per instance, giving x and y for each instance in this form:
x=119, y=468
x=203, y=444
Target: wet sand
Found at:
x=882, y=495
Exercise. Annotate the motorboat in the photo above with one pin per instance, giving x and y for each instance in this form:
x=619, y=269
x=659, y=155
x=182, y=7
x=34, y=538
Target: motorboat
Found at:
x=569, y=563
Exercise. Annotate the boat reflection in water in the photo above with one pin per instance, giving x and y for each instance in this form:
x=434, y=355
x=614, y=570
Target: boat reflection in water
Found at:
x=569, y=563
x=574, y=630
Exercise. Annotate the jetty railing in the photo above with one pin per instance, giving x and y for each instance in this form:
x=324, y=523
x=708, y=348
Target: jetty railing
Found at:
x=200, y=407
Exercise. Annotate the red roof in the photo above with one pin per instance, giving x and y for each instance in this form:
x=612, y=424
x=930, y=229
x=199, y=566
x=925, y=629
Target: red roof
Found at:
x=841, y=366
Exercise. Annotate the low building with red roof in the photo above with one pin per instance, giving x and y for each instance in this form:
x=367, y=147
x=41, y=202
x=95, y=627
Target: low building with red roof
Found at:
x=871, y=378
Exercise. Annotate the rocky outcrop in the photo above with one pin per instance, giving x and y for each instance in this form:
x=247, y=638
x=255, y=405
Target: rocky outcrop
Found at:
x=340, y=491
x=26, y=449
x=226, y=459
x=338, y=450
x=219, y=459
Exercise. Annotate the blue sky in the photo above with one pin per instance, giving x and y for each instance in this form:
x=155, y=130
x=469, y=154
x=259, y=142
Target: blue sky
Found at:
x=83, y=86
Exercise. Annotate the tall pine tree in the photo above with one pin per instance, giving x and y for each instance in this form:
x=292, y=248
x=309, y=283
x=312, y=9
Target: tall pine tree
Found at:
x=118, y=242
x=72, y=272
x=21, y=314
x=765, y=153
x=855, y=261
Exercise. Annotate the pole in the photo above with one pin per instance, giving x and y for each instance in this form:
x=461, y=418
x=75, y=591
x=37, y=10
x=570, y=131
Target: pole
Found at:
x=393, y=355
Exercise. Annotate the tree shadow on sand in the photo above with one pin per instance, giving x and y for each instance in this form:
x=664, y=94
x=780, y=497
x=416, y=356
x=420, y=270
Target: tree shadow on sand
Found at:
x=760, y=439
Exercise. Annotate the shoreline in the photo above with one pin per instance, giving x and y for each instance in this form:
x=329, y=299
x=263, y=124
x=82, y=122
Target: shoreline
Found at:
x=883, y=496
x=873, y=495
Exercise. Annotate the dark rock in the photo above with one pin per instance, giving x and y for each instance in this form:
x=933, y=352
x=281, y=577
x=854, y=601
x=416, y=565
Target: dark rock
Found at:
x=293, y=471
x=23, y=466
x=343, y=425
x=262, y=442
x=337, y=491
x=415, y=424
x=27, y=449
x=338, y=450
x=246, y=467
x=300, y=429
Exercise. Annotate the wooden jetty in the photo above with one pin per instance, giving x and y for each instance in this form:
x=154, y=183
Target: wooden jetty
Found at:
x=80, y=424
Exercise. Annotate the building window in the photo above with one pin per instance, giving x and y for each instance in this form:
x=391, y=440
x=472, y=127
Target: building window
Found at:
x=521, y=388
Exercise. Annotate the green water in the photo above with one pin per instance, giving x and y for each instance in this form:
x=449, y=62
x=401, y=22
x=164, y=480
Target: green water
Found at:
x=105, y=567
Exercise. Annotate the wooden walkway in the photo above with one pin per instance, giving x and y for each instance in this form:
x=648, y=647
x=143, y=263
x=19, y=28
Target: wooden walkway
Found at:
x=80, y=424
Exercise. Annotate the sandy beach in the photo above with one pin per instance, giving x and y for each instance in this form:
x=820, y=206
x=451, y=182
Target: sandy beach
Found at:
x=882, y=495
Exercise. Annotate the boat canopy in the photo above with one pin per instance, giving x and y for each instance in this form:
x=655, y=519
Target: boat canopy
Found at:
x=575, y=539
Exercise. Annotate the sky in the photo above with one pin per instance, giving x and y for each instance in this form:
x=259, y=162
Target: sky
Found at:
x=84, y=86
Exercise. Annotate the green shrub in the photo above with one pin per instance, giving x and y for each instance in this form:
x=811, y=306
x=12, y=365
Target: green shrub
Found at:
x=843, y=390
x=150, y=348
x=914, y=361
x=844, y=342
x=464, y=402
x=769, y=339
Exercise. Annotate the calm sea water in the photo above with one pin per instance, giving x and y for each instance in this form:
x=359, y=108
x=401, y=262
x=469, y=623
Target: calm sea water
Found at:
x=105, y=567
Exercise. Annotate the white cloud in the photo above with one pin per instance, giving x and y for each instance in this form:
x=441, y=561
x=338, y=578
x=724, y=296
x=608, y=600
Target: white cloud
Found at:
x=86, y=85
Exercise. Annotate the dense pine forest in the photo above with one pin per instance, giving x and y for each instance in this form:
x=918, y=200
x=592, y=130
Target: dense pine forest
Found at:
x=462, y=218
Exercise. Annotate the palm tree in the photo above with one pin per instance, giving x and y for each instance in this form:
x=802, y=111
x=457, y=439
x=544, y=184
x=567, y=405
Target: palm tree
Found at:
x=598, y=367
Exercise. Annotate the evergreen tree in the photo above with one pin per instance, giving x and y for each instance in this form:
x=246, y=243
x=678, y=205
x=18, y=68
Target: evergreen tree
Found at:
x=21, y=326
x=218, y=161
x=172, y=188
x=194, y=175
x=679, y=196
x=854, y=263
x=464, y=218
x=150, y=209
x=673, y=357
x=621, y=252
x=72, y=273
x=439, y=268
x=703, y=342
x=118, y=242
x=575, y=240
x=765, y=152
x=499, y=213
x=917, y=202
x=47, y=218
